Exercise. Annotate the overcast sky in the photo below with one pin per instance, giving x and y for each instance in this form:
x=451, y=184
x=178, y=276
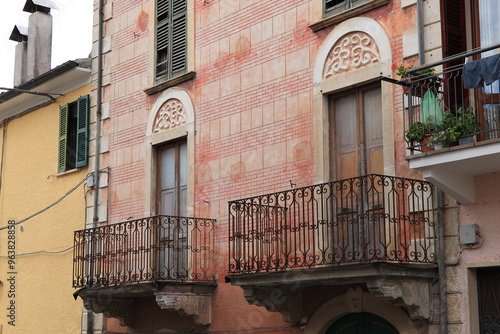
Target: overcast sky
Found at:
x=71, y=33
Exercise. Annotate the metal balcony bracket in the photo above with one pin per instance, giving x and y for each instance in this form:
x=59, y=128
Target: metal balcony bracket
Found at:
x=195, y=305
x=413, y=295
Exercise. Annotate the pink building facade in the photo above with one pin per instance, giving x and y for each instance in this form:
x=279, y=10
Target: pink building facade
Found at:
x=256, y=174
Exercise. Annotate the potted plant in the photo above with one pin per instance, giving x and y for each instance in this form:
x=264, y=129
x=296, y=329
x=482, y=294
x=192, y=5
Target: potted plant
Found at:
x=419, y=82
x=467, y=124
x=459, y=127
x=402, y=70
x=448, y=133
x=420, y=133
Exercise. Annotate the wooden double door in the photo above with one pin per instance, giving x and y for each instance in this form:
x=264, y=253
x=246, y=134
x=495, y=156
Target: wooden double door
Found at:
x=356, y=134
x=171, y=202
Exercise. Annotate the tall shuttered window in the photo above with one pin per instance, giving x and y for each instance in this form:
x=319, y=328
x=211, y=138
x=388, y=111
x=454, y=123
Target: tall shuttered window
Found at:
x=172, y=179
x=171, y=38
x=331, y=7
x=73, y=134
x=357, y=136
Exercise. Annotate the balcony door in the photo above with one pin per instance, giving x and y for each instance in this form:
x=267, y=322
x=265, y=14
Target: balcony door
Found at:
x=487, y=32
x=483, y=31
x=356, y=118
x=172, y=162
x=356, y=149
x=171, y=202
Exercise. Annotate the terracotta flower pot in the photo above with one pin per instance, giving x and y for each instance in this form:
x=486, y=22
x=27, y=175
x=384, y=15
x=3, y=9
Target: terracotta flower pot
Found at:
x=424, y=144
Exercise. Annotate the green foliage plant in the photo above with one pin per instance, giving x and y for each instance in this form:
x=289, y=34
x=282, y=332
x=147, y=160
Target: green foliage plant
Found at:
x=453, y=127
x=448, y=133
x=417, y=131
x=467, y=122
x=402, y=70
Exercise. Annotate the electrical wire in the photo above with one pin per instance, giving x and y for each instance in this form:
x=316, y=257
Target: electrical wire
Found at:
x=22, y=102
x=51, y=205
x=42, y=251
x=472, y=246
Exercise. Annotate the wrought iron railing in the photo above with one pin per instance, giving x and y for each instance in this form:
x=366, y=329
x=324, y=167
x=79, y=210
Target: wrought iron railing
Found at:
x=153, y=249
x=359, y=220
x=446, y=104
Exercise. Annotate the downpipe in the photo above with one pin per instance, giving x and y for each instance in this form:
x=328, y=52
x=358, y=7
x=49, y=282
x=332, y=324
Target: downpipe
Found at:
x=443, y=302
x=420, y=31
x=95, y=218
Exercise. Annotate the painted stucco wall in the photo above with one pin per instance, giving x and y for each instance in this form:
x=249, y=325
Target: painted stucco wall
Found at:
x=254, y=113
x=485, y=213
x=486, y=253
x=42, y=289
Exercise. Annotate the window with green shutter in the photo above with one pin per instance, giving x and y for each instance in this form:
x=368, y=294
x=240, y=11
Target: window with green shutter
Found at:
x=171, y=38
x=73, y=134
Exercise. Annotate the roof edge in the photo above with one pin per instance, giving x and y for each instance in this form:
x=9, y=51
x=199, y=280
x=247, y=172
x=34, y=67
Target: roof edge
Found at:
x=49, y=75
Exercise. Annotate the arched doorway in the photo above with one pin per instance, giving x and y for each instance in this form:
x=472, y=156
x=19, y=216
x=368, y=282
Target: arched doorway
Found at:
x=361, y=323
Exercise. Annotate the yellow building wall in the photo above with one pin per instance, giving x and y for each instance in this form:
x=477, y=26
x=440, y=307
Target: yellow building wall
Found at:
x=42, y=289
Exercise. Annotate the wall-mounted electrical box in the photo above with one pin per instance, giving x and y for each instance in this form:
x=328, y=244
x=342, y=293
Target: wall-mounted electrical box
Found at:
x=469, y=234
x=90, y=181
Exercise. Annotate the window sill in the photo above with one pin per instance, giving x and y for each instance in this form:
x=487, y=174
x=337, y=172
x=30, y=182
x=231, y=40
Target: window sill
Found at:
x=336, y=18
x=69, y=171
x=170, y=83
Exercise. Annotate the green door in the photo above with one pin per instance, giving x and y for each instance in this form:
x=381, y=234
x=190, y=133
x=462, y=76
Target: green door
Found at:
x=361, y=323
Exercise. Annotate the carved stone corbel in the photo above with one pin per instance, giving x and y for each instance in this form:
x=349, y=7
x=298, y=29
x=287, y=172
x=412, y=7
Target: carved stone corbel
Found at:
x=411, y=294
x=118, y=308
x=187, y=304
x=276, y=299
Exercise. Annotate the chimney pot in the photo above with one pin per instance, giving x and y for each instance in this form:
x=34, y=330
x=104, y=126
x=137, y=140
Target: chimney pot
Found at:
x=20, y=34
x=44, y=6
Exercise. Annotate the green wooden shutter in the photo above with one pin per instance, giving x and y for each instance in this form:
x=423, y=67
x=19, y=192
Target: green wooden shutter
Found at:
x=63, y=137
x=171, y=38
x=331, y=7
x=162, y=37
x=82, y=131
x=179, y=37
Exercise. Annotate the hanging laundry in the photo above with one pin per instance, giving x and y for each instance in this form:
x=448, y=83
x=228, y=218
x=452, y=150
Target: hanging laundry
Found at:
x=480, y=72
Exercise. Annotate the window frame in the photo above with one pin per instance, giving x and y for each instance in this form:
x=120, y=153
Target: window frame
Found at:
x=80, y=130
x=323, y=87
x=342, y=6
x=362, y=150
x=322, y=20
x=178, y=187
x=174, y=41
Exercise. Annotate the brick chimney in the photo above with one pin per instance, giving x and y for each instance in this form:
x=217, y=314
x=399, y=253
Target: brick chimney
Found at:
x=35, y=57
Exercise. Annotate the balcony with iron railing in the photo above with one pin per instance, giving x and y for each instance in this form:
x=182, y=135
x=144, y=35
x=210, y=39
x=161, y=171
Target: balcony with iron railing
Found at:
x=358, y=220
x=452, y=121
x=356, y=230
x=153, y=249
x=161, y=257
